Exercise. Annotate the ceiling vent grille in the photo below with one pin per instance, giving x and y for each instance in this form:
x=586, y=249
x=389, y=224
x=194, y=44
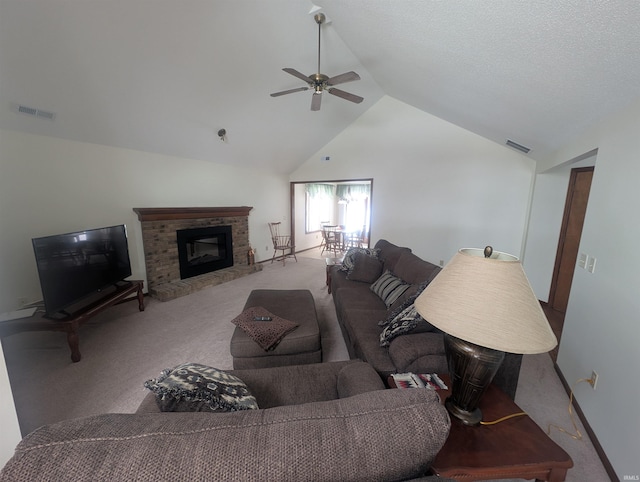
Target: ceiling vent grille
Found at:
x=42, y=114
x=517, y=146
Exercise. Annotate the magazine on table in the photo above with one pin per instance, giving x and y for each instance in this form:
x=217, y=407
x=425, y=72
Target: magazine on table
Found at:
x=430, y=381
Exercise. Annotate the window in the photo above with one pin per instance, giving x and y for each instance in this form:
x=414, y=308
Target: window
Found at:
x=320, y=201
x=354, y=202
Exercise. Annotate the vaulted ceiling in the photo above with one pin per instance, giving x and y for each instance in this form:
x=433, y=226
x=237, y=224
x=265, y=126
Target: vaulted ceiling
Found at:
x=164, y=76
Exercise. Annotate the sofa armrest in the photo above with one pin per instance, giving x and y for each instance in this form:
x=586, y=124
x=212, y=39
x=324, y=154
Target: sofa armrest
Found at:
x=419, y=353
x=358, y=377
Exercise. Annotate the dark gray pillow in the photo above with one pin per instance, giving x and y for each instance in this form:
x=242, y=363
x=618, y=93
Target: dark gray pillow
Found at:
x=191, y=387
x=366, y=268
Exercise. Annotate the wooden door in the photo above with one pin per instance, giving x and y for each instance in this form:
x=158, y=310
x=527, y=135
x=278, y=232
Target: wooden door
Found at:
x=567, y=254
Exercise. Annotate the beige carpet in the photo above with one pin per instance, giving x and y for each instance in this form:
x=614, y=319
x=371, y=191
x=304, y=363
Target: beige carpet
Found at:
x=121, y=348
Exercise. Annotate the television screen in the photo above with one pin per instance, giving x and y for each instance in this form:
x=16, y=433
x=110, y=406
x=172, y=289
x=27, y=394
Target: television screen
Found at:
x=74, y=266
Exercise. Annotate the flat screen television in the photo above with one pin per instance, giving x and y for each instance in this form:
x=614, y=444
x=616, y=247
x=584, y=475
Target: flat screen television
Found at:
x=76, y=267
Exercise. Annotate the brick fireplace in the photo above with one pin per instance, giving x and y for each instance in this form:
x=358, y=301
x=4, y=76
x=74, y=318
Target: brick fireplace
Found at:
x=159, y=227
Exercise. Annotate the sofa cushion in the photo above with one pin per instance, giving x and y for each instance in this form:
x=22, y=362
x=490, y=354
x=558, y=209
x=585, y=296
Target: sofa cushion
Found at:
x=414, y=270
x=391, y=434
x=389, y=288
x=192, y=387
x=363, y=331
x=389, y=253
x=366, y=268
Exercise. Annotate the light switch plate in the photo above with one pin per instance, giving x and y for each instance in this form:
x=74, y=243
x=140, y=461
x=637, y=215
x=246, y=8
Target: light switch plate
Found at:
x=582, y=260
x=591, y=264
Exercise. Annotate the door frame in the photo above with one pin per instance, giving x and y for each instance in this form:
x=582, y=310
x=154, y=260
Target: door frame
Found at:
x=292, y=202
x=563, y=231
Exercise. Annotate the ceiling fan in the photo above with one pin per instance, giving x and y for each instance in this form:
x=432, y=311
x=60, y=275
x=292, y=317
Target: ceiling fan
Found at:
x=320, y=82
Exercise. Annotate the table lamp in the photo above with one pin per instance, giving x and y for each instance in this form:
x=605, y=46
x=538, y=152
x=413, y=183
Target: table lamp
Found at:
x=485, y=306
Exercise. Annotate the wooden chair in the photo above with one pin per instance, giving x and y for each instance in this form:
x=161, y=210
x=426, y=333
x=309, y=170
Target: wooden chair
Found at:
x=331, y=239
x=281, y=242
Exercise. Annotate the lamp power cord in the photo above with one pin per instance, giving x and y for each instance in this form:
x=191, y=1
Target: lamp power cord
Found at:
x=577, y=435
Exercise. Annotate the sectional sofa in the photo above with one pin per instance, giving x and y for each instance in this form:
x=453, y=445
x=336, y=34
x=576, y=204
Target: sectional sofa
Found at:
x=400, y=346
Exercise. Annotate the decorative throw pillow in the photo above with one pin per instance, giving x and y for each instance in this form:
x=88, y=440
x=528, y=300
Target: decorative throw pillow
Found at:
x=348, y=261
x=366, y=268
x=266, y=333
x=191, y=387
x=405, y=322
x=389, y=287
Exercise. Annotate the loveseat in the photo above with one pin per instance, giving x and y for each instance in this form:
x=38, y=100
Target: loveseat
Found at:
x=360, y=310
x=329, y=421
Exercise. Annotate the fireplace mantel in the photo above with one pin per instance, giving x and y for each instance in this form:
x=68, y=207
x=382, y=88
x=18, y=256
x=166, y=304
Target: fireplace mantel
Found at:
x=161, y=214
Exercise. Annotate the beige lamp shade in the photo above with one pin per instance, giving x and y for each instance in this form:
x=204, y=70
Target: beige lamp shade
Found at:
x=488, y=302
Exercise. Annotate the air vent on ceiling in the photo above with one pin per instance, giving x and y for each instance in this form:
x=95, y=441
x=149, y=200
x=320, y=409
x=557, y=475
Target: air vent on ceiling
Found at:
x=42, y=114
x=515, y=145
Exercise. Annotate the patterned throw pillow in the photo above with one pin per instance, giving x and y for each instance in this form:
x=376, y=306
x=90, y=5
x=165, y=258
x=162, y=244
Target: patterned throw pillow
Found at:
x=405, y=318
x=403, y=323
x=191, y=387
x=389, y=287
x=348, y=260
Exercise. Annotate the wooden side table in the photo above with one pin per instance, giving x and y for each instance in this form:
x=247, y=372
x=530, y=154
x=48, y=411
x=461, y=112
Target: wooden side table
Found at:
x=514, y=448
x=330, y=262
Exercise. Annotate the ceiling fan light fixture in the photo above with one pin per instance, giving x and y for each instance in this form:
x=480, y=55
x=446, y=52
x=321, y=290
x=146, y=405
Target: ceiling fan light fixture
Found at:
x=320, y=82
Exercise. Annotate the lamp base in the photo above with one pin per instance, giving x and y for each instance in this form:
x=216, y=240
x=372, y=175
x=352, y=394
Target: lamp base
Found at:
x=472, y=368
x=473, y=417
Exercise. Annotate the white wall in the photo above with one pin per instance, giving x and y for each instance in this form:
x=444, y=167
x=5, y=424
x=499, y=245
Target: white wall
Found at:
x=437, y=187
x=50, y=186
x=601, y=330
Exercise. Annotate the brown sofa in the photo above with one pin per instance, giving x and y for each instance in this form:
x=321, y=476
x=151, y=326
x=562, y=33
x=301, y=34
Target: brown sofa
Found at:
x=329, y=421
x=359, y=310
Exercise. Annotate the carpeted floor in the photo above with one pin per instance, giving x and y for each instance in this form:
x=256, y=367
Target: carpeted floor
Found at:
x=122, y=347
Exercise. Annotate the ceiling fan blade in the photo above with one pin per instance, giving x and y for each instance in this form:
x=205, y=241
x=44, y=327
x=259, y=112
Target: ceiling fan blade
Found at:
x=315, y=101
x=342, y=78
x=346, y=95
x=290, y=91
x=300, y=75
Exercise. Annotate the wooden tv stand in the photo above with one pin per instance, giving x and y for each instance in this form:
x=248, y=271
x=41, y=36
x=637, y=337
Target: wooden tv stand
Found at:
x=70, y=325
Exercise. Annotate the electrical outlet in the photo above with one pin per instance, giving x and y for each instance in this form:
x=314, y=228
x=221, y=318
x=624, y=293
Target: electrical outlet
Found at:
x=442, y=263
x=266, y=248
x=593, y=381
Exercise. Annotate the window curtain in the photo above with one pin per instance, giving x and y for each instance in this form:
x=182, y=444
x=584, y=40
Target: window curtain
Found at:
x=353, y=191
x=320, y=190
